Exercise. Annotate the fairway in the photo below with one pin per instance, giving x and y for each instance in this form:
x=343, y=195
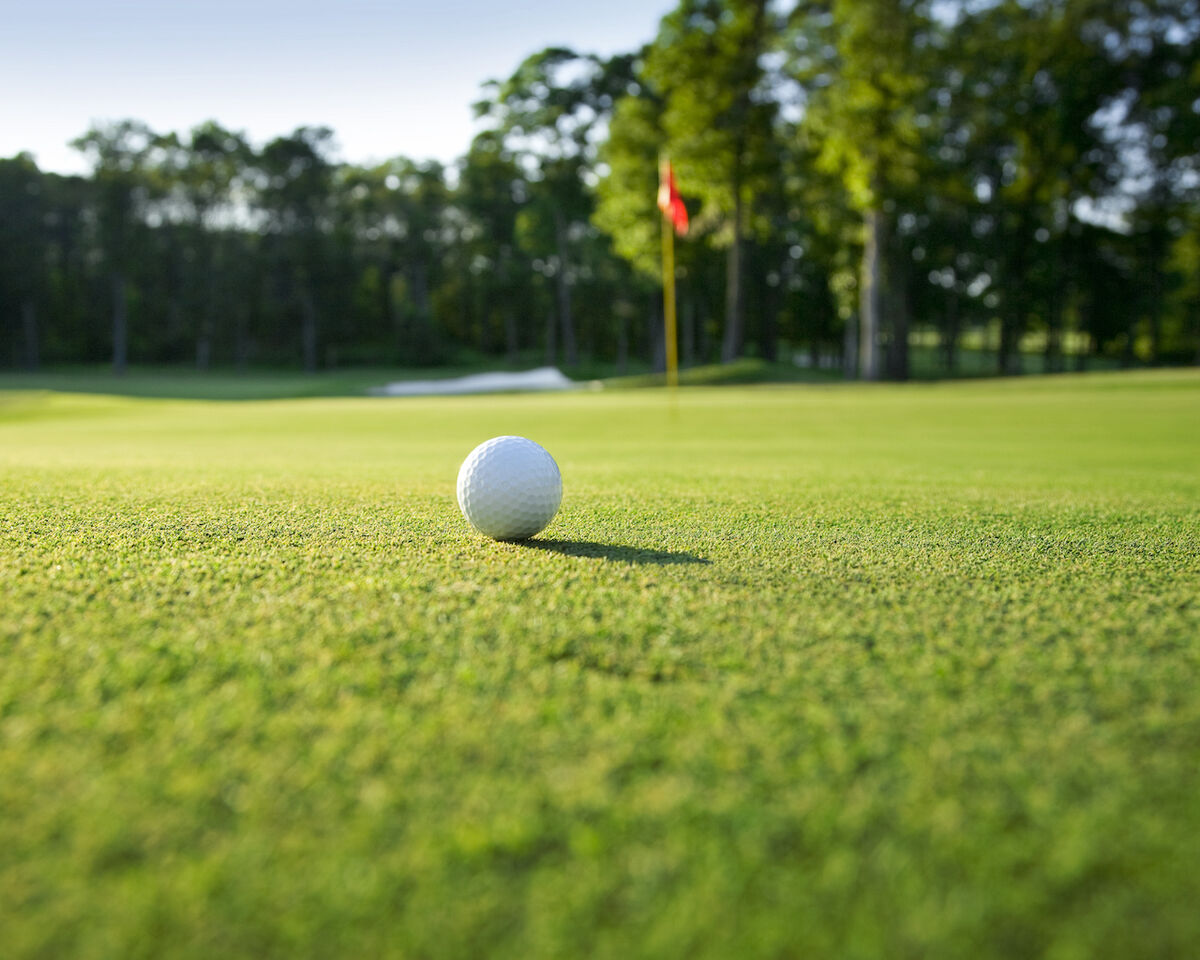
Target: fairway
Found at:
x=830, y=671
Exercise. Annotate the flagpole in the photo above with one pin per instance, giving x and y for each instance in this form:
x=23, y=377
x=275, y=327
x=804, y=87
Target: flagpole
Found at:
x=668, y=258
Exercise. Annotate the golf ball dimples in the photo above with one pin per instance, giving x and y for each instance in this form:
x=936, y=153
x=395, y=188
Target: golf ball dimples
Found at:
x=509, y=488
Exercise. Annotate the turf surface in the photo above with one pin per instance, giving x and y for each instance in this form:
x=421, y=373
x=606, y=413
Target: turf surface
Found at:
x=798, y=671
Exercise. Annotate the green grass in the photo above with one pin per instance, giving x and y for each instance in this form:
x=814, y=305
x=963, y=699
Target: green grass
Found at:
x=181, y=382
x=185, y=383
x=798, y=671
x=929, y=363
x=224, y=384
x=738, y=373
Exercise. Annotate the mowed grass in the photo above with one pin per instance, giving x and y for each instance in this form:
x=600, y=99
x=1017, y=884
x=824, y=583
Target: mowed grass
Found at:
x=798, y=671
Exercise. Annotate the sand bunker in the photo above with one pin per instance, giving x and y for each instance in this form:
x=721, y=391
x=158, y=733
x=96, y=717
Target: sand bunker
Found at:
x=541, y=378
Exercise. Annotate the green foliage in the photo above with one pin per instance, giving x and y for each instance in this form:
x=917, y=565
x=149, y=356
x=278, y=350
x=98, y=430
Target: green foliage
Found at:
x=864, y=115
x=709, y=110
x=22, y=211
x=839, y=671
x=626, y=204
x=742, y=371
x=548, y=115
x=1186, y=264
x=706, y=66
x=119, y=153
x=885, y=168
x=297, y=175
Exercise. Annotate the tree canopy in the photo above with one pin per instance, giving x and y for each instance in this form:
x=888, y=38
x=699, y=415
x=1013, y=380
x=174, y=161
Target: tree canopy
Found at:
x=883, y=187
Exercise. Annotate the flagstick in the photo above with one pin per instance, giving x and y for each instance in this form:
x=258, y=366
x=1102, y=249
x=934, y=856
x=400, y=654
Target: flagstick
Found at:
x=668, y=256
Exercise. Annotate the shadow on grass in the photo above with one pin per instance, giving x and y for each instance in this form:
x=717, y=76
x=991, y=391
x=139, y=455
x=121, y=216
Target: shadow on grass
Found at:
x=612, y=551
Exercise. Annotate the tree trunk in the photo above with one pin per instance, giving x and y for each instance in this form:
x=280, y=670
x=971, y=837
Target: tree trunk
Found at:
x=850, y=349
x=1158, y=252
x=768, y=333
x=308, y=330
x=551, y=345
x=208, y=321
x=1159, y=244
x=896, y=281
x=871, y=294
x=420, y=338
x=731, y=345
x=241, y=340
x=1127, y=355
x=1052, y=360
x=1156, y=320
x=623, y=338
x=120, y=320
x=563, y=287
x=420, y=289
x=1195, y=311
x=387, y=303
x=1052, y=355
x=658, y=337
x=787, y=276
x=480, y=310
x=1007, y=356
x=204, y=347
x=30, y=334
x=1081, y=358
x=511, y=347
x=950, y=341
x=1012, y=321
x=689, y=332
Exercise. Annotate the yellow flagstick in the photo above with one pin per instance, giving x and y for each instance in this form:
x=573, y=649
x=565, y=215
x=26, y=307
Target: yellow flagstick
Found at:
x=668, y=257
x=668, y=241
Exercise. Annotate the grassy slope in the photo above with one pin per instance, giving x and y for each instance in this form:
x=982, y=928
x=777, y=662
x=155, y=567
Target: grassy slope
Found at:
x=857, y=671
x=184, y=383
x=181, y=382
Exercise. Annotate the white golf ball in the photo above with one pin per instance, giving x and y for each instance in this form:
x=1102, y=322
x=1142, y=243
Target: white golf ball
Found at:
x=509, y=488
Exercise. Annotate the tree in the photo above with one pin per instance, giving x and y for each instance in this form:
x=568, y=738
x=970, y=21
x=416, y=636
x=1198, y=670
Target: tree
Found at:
x=865, y=116
x=294, y=191
x=119, y=153
x=1155, y=45
x=626, y=207
x=214, y=165
x=1185, y=259
x=1025, y=168
x=492, y=192
x=22, y=251
x=706, y=66
x=1057, y=115
x=549, y=114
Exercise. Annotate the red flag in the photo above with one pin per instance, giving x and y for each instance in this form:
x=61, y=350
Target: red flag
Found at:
x=669, y=200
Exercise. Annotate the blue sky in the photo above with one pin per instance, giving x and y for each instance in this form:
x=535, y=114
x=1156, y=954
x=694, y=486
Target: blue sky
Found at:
x=389, y=78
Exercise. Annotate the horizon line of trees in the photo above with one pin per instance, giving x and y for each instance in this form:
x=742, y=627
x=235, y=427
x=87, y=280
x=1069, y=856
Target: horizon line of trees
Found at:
x=860, y=174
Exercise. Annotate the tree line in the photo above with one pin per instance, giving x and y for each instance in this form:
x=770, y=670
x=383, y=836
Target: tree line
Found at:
x=862, y=176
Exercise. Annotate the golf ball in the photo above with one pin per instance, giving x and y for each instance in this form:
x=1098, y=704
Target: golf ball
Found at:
x=509, y=488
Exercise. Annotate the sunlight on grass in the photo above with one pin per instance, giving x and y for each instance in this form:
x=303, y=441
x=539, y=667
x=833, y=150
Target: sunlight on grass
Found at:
x=827, y=671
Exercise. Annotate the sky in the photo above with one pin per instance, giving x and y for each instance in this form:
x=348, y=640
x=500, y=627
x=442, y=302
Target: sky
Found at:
x=390, y=78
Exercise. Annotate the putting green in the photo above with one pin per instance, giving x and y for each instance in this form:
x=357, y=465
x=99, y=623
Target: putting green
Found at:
x=831, y=671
